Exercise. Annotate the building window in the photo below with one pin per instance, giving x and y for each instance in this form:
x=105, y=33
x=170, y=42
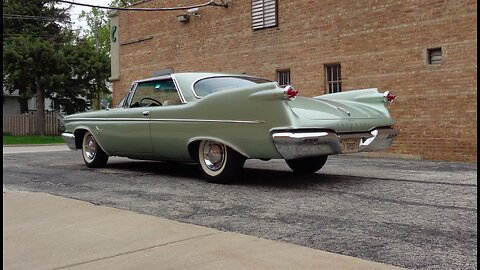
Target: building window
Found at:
x=434, y=56
x=264, y=13
x=283, y=77
x=333, y=75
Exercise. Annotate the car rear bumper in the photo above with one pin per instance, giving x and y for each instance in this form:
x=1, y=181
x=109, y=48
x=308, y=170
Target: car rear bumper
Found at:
x=301, y=144
x=70, y=140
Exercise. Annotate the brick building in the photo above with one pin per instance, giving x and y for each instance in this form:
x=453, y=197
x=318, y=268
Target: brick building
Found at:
x=425, y=51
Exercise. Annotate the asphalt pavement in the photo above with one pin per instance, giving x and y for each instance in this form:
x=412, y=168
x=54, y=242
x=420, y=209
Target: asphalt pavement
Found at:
x=44, y=231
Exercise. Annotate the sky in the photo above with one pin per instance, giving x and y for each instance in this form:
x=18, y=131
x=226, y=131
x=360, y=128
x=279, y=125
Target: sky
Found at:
x=76, y=10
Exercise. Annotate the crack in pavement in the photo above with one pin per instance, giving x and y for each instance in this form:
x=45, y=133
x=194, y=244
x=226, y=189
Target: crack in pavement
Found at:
x=133, y=251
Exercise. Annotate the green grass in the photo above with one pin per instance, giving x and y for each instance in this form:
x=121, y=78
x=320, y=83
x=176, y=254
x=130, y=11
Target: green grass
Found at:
x=9, y=139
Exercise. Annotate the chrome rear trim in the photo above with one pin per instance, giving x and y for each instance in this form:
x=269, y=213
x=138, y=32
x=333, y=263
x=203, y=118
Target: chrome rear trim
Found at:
x=381, y=139
x=298, y=144
x=294, y=145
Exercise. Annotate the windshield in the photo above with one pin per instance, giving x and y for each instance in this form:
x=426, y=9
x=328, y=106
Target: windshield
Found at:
x=211, y=85
x=123, y=102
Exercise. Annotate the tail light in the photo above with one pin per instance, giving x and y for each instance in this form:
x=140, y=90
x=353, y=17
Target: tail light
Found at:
x=389, y=97
x=290, y=93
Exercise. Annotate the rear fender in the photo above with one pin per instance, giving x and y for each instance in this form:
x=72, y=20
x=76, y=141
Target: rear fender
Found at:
x=194, y=142
x=370, y=95
x=365, y=97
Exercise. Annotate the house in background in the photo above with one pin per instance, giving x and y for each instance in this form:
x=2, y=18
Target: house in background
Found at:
x=12, y=106
x=17, y=123
x=10, y=103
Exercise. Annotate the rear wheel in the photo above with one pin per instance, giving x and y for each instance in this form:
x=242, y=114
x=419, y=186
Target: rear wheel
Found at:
x=218, y=163
x=93, y=154
x=307, y=165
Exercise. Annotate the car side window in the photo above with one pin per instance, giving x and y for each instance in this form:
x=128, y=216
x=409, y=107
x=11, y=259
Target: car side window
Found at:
x=155, y=93
x=211, y=85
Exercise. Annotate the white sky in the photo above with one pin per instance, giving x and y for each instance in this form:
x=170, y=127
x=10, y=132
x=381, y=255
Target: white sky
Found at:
x=75, y=11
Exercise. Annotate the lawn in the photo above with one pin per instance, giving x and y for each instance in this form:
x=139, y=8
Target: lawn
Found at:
x=9, y=139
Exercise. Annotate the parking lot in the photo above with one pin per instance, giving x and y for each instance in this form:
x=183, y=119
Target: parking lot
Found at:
x=409, y=213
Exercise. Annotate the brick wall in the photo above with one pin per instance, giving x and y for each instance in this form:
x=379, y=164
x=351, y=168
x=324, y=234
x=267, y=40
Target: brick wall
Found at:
x=380, y=44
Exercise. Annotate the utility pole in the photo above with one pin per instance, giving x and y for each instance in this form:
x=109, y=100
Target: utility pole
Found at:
x=96, y=49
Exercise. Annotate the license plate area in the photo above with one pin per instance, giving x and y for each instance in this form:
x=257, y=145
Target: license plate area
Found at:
x=350, y=145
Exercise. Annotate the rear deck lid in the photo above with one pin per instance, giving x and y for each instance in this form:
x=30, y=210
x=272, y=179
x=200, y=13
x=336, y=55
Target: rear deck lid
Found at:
x=318, y=109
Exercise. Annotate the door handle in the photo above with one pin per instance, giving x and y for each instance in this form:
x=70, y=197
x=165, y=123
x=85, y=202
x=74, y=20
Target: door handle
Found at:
x=146, y=113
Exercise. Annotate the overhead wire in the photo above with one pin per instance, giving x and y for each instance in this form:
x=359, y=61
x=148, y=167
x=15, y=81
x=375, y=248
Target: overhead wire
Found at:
x=30, y=17
x=209, y=3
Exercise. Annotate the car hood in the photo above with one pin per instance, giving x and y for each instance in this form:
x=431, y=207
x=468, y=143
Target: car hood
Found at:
x=318, y=109
x=91, y=114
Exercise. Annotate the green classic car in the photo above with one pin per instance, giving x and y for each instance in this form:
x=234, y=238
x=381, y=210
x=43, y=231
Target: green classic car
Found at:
x=220, y=120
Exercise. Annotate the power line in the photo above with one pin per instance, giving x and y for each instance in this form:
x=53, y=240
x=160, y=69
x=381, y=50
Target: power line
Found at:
x=27, y=35
x=30, y=17
x=209, y=3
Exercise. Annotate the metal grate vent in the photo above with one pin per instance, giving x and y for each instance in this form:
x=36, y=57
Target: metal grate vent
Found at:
x=264, y=13
x=435, y=56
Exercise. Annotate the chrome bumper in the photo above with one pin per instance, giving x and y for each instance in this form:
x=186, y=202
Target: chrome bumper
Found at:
x=298, y=144
x=70, y=140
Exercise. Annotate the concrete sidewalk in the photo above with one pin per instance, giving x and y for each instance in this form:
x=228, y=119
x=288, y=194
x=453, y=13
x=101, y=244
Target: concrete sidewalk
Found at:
x=42, y=231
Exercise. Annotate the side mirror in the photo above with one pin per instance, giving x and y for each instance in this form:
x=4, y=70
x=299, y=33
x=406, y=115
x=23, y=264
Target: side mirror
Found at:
x=104, y=103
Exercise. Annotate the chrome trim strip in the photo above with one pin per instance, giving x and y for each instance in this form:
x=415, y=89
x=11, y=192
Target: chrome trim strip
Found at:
x=179, y=91
x=302, y=135
x=171, y=120
x=344, y=111
x=69, y=140
x=131, y=92
x=210, y=121
x=354, y=135
x=85, y=119
x=161, y=77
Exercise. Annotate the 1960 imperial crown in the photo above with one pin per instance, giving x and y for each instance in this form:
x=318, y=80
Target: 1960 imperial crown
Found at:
x=220, y=120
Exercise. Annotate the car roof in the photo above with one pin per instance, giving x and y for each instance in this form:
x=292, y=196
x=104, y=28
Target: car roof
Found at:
x=196, y=75
x=185, y=80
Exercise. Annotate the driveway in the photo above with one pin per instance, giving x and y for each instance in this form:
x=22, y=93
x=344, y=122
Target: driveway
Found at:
x=409, y=213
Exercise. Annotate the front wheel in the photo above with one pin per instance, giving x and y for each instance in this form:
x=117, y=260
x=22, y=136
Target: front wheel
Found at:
x=218, y=163
x=307, y=165
x=93, y=154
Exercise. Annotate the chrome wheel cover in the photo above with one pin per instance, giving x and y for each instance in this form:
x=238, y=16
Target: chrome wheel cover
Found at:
x=89, y=147
x=214, y=155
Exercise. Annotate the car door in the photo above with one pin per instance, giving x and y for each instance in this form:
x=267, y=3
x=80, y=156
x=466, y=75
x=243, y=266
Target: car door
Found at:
x=127, y=132
x=169, y=131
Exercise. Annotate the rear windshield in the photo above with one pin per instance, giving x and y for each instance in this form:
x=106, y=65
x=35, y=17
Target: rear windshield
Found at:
x=216, y=84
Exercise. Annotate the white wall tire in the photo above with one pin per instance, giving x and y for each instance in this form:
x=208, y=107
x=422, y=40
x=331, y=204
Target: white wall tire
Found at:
x=93, y=154
x=218, y=163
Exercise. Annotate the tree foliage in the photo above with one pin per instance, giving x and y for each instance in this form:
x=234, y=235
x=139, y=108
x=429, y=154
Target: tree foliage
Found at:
x=98, y=28
x=42, y=57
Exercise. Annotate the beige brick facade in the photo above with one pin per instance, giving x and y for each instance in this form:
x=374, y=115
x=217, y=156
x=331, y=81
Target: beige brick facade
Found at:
x=380, y=44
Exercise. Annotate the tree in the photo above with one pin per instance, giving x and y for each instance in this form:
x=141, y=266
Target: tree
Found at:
x=32, y=34
x=42, y=57
x=33, y=19
x=87, y=75
x=98, y=29
x=98, y=32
